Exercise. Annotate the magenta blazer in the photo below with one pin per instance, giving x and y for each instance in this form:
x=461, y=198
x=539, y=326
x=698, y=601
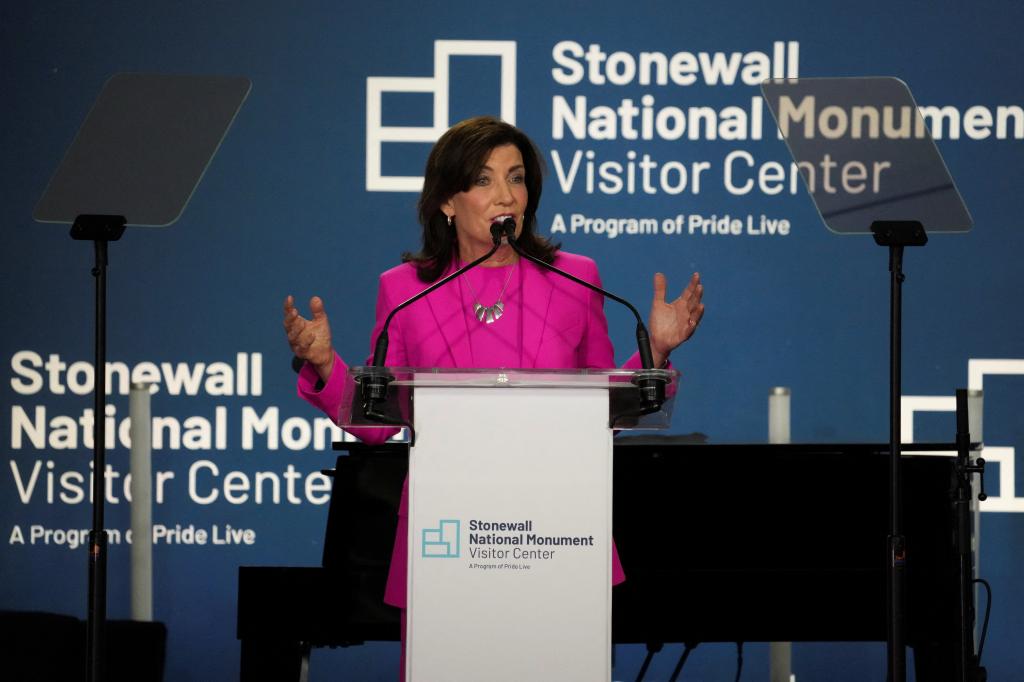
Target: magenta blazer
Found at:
x=563, y=327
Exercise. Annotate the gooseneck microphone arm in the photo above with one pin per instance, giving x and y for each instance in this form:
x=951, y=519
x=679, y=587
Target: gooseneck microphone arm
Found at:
x=380, y=348
x=651, y=382
x=374, y=380
x=643, y=339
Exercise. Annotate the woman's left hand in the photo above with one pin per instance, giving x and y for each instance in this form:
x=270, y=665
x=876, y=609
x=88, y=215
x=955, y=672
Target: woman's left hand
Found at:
x=672, y=322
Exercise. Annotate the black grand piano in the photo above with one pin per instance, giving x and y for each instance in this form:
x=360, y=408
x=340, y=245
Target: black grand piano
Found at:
x=720, y=543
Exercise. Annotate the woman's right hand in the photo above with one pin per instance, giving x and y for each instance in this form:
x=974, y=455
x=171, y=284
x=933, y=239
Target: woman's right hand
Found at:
x=310, y=339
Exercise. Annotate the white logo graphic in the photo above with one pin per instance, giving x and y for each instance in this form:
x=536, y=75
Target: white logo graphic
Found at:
x=377, y=133
x=1007, y=499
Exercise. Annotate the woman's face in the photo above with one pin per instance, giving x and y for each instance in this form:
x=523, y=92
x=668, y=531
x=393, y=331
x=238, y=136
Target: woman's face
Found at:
x=498, y=192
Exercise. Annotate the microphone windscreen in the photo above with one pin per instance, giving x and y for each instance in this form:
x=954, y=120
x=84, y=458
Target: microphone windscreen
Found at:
x=497, y=232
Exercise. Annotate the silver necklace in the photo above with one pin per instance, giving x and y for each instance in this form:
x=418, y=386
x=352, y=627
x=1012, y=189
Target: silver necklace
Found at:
x=489, y=313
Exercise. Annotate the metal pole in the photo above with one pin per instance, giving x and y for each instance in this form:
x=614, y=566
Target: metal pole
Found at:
x=975, y=410
x=97, y=615
x=897, y=549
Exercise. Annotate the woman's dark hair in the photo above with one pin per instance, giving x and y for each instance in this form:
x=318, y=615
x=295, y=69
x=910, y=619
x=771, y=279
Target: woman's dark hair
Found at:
x=454, y=163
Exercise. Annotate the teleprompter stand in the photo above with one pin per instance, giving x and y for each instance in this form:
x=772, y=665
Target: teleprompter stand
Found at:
x=136, y=160
x=896, y=235
x=894, y=185
x=100, y=230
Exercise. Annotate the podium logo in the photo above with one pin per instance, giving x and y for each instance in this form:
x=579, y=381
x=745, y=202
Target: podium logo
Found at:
x=442, y=542
x=377, y=134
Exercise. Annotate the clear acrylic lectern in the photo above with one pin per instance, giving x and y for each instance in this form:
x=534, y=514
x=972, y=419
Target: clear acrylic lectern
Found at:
x=510, y=490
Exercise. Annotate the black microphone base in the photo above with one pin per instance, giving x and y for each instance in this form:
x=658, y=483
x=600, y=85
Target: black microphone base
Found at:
x=373, y=384
x=651, y=384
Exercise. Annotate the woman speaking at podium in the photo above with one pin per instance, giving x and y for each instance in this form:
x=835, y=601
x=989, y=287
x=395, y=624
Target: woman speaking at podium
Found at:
x=508, y=312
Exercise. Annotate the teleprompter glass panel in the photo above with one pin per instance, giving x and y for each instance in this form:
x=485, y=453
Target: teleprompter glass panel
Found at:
x=865, y=153
x=143, y=148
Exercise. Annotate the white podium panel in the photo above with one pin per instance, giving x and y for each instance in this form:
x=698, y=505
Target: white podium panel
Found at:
x=510, y=535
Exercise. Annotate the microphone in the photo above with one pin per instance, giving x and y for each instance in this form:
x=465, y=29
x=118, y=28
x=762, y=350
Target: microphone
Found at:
x=651, y=382
x=373, y=383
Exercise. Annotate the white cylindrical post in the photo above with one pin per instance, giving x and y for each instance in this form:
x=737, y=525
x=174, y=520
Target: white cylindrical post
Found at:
x=780, y=654
x=778, y=415
x=142, y=502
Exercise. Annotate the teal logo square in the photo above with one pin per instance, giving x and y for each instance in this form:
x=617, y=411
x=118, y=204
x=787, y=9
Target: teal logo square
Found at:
x=442, y=542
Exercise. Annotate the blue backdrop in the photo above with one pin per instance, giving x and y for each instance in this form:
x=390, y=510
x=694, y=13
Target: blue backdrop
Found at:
x=293, y=203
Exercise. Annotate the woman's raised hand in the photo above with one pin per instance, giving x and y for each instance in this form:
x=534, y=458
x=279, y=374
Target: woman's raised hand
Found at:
x=310, y=339
x=673, y=322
